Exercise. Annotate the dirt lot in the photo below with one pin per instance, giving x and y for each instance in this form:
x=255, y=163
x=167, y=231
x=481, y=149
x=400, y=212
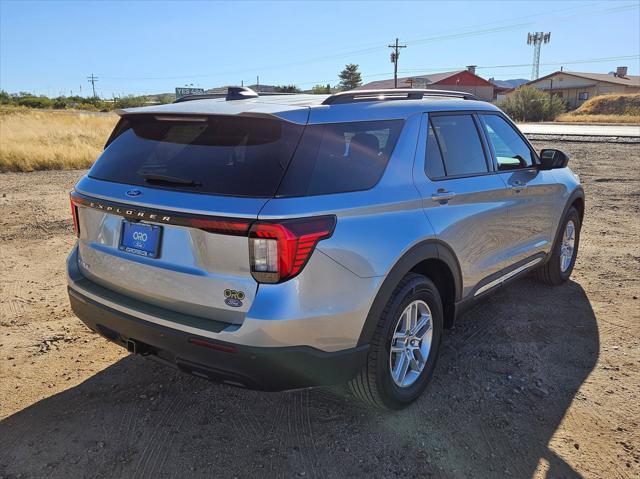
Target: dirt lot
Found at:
x=534, y=382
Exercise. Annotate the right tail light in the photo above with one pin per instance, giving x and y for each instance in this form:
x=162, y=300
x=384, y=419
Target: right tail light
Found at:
x=278, y=251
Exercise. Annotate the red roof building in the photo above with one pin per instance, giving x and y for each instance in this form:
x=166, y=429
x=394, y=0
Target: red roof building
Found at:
x=460, y=80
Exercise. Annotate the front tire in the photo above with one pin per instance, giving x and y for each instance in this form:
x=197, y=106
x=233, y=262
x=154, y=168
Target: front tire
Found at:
x=404, y=348
x=559, y=267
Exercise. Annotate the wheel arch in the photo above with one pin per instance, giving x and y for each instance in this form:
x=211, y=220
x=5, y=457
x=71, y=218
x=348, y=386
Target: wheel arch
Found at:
x=578, y=204
x=576, y=200
x=431, y=258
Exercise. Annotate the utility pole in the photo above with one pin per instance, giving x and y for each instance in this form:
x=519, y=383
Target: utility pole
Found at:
x=394, y=59
x=93, y=79
x=257, y=83
x=537, y=39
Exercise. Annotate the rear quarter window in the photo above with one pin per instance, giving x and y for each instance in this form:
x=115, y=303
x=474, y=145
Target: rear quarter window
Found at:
x=433, y=164
x=340, y=157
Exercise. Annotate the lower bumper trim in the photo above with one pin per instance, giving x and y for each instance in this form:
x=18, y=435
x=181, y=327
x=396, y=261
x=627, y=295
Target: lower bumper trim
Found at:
x=264, y=368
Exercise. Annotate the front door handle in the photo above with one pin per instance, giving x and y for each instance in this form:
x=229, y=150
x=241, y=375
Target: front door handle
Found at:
x=442, y=195
x=518, y=185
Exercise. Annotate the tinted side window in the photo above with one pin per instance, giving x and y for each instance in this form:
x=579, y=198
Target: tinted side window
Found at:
x=510, y=149
x=433, y=162
x=340, y=157
x=460, y=144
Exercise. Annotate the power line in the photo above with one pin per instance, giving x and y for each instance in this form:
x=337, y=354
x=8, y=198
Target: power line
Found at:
x=372, y=49
x=449, y=68
x=93, y=79
x=516, y=65
x=394, y=59
x=454, y=68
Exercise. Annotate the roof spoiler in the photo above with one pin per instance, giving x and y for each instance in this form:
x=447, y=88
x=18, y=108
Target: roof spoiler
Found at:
x=354, y=96
x=233, y=93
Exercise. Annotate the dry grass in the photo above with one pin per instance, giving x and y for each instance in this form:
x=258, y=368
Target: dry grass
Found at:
x=614, y=108
x=573, y=117
x=614, y=104
x=51, y=140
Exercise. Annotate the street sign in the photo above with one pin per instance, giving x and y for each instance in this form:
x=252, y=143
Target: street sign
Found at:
x=183, y=91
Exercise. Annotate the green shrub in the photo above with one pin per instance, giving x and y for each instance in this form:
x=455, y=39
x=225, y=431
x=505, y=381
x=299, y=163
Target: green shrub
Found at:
x=530, y=104
x=60, y=103
x=131, y=101
x=32, y=101
x=5, y=98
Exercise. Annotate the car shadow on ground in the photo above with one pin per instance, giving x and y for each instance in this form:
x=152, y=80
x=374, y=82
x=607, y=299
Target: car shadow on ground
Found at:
x=508, y=373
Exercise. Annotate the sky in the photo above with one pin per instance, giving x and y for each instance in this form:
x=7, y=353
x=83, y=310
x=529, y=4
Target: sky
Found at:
x=145, y=47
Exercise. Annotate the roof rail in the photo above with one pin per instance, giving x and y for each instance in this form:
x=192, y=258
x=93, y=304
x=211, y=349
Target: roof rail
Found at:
x=354, y=96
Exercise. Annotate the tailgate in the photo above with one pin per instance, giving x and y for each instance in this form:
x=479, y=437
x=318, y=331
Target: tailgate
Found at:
x=199, y=269
x=161, y=213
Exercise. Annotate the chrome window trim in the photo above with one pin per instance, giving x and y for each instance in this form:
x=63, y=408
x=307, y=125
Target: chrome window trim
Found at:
x=488, y=155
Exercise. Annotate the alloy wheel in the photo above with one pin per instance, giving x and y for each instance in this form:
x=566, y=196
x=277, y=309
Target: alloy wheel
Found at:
x=411, y=343
x=568, y=246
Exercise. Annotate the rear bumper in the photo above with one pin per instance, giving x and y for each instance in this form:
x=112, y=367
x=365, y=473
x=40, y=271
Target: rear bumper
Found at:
x=265, y=368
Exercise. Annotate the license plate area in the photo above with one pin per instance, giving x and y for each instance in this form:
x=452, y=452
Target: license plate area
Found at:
x=140, y=238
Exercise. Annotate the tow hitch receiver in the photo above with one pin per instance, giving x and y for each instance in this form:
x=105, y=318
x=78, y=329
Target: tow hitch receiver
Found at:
x=137, y=347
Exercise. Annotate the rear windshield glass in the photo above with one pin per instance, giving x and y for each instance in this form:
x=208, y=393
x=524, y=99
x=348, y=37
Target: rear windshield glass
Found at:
x=340, y=157
x=236, y=156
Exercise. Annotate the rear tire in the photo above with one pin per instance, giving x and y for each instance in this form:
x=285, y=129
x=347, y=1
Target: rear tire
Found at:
x=559, y=266
x=380, y=382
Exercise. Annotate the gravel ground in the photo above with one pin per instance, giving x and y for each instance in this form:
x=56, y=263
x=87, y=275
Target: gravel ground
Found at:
x=533, y=382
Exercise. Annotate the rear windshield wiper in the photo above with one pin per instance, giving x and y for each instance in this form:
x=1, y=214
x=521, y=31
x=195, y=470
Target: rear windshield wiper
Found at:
x=168, y=179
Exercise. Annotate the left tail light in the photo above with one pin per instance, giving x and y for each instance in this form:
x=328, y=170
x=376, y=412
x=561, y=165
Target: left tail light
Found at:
x=279, y=251
x=74, y=215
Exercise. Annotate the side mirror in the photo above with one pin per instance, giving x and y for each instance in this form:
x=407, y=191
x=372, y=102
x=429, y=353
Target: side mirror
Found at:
x=552, y=158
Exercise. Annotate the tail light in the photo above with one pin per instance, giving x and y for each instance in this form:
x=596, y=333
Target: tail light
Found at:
x=74, y=215
x=234, y=227
x=280, y=250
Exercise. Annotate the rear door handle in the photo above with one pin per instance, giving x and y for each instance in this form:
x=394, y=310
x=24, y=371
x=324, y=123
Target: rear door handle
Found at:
x=442, y=195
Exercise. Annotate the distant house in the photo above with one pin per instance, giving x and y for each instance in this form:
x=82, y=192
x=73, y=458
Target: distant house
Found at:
x=576, y=87
x=459, y=80
x=504, y=87
x=500, y=92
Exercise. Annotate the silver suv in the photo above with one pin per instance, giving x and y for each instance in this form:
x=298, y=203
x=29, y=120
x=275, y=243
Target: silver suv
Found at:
x=288, y=241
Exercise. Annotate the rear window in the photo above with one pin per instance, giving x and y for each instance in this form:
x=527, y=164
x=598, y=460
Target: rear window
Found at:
x=236, y=156
x=459, y=144
x=340, y=157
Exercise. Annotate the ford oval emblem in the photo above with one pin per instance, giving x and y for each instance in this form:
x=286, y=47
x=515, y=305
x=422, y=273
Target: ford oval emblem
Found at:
x=134, y=193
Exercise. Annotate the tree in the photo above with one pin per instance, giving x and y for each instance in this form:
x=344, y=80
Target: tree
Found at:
x=5, y=98
x=286, y=89
x=530, y=104
x=321, y=90
x=350, y=77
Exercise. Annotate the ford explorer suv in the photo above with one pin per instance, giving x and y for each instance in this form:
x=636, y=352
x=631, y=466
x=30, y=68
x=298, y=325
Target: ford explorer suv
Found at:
x=288, y=241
